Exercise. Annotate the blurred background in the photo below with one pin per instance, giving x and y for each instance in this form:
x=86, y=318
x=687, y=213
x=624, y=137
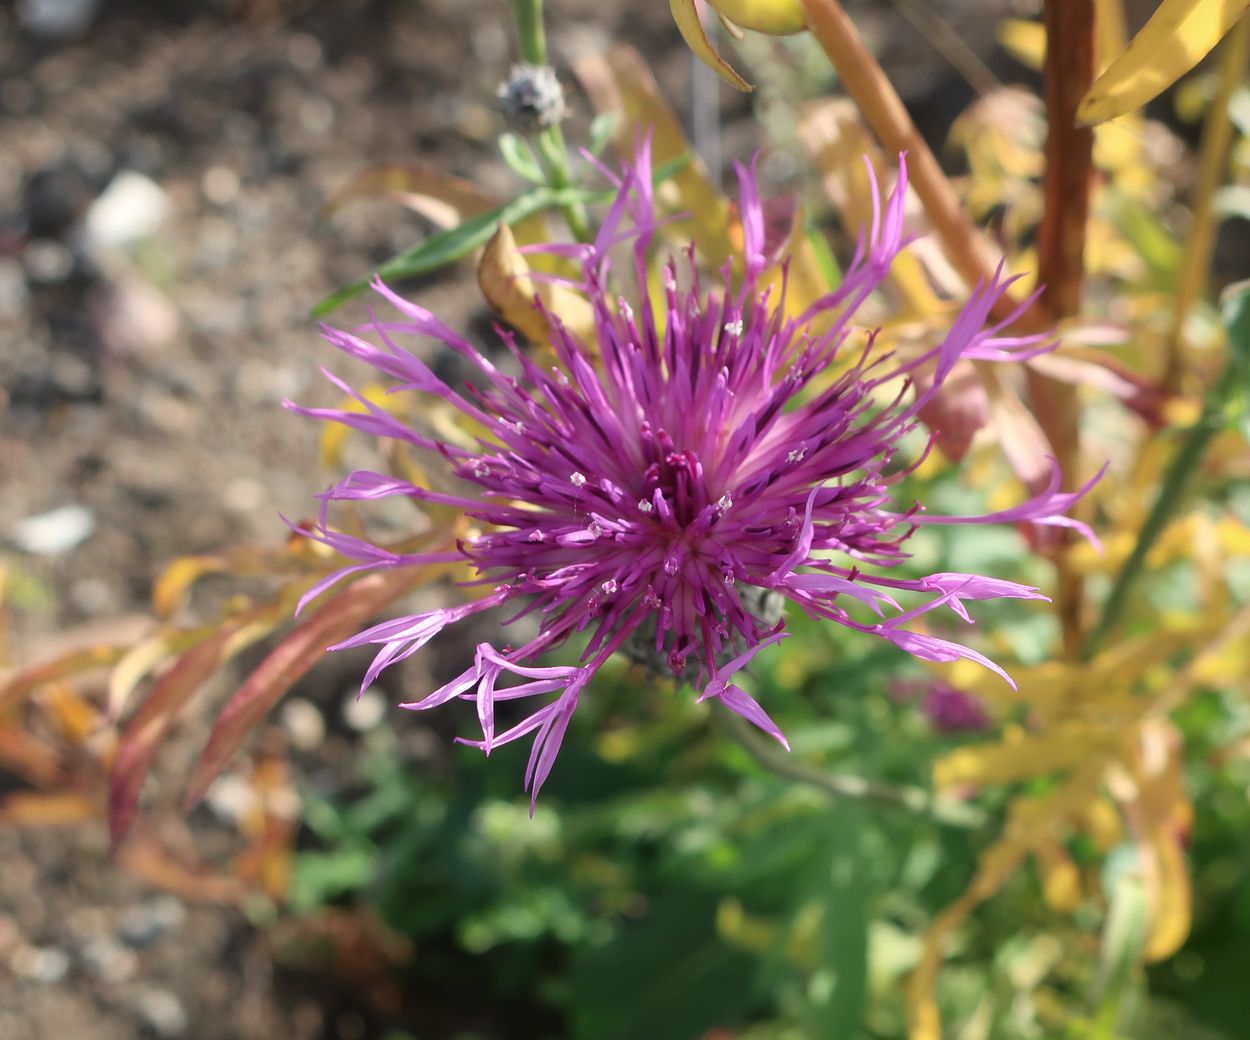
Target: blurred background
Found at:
x=162, y=165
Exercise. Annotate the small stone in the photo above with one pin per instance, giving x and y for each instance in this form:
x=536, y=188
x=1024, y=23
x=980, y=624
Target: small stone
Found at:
x=13, y=291
x=365, y=712
x=162, y=1012
x=16, y=96
x=133, y=317
x=108, y=959
x=220, y=184
x=10, y=935
x=304, y=724
x=304, y=51
x=316, y=115
x=93, y=596
x=47, y=261
x=40, y=963
x=243, y=495
x=231, y=798
x=132, y=207
x=55, y=531
x=56, y=19
x=141, y=925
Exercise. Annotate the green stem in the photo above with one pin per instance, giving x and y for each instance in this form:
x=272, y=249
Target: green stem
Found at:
x=528, y=15
x=844, y=785
x=1177, y=478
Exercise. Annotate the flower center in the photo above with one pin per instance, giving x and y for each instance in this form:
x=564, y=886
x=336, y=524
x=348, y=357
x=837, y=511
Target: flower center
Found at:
x=677, y=474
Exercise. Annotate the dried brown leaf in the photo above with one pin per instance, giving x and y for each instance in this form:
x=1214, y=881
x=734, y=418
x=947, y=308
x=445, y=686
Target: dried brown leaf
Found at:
x=337, y=618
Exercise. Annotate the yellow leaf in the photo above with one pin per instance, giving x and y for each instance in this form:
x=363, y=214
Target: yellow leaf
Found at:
x=686, y=15
x=1110, y=31
x=1061, y=880
x=994, y=867
x=50, y=809
x=1023, y=758
x=1031, y=820
x=1179, y=35
x=145, y=657
x=504, y=277
x=620, y=82
x=838, y=142
x=1171, y=912
x=804, y=282
x=334, y=435
x=15, y=685
x=1150, y=787
x=772, y=17
x=1025, y=41
x=1234, y=536
x=1101, y=822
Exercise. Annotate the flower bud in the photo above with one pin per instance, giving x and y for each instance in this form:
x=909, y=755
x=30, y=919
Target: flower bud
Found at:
x=531, y=98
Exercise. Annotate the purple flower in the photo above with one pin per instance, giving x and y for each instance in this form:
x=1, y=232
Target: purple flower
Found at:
x=950, y=710
x=947, y=708
x=705, y=455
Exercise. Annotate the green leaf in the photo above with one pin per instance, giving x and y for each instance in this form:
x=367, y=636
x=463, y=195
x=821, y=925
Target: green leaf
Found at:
x=1152, y=241
x=665, y=977
x=1235, y=384
x=839, y=988
x=1117, y=981
x=1235, y=311
x=520, y=158
x=446, y=247
x=825, y=260
x=667, y=171
x=602, y=127
x=322, y=877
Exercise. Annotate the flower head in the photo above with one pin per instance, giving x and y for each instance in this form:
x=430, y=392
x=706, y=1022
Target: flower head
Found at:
x=531, y=98
x=947, y=708
x=705, y=462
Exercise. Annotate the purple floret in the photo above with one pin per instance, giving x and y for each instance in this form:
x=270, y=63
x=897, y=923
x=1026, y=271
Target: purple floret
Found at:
x=700, y=452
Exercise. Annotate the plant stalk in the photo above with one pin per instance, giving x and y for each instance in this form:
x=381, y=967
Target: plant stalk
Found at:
x=1068, y=73
x=1171, y=493
x=913, y=800
x=971, y=253
x=528, y=15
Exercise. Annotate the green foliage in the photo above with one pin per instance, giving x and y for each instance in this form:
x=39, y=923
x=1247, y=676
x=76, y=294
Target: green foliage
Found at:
x=446, y=247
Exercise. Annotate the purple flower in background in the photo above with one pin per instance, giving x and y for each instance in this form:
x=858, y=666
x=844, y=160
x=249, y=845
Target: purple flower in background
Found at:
x=707, y=460
x=950, y=710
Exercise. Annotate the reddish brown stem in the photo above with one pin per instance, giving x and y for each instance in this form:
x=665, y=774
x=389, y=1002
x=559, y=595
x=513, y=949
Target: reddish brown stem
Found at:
x=972, y=254
x=1069, y=71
